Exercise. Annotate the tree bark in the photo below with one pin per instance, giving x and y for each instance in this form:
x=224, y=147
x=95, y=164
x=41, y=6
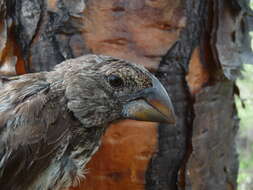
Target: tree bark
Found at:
x=195, y=47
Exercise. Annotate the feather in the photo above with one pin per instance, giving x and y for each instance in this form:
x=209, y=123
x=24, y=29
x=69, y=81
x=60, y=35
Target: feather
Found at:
x=51, y=122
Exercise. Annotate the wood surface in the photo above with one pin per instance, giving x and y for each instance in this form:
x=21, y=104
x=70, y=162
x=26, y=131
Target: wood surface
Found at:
x=196, y=49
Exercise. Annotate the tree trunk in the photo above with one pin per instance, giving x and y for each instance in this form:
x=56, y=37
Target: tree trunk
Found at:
x=195, y=47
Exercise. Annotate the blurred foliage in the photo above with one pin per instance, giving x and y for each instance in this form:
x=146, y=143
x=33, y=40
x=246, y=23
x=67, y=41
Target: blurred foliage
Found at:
x=245, y=138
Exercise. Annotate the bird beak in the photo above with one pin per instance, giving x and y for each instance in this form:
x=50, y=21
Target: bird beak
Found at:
x=152, y=104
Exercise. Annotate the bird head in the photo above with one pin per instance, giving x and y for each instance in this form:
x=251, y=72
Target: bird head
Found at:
x=102, y=89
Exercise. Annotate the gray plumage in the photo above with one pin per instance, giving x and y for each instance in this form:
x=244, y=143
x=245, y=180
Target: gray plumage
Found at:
x=51, y=122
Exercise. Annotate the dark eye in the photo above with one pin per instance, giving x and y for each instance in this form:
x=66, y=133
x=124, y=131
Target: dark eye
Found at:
x=115, y=81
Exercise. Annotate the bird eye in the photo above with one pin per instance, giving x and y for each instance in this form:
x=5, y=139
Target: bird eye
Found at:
x=115, y=81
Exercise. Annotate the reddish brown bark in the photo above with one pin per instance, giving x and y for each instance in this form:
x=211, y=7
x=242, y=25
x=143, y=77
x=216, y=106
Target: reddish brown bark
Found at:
x=198, y=75
x=123, y=157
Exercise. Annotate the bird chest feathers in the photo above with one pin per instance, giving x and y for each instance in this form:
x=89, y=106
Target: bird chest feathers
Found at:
x=68, y=167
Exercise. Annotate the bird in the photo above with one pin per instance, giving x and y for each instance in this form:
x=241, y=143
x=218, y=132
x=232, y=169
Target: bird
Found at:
x=51, y=122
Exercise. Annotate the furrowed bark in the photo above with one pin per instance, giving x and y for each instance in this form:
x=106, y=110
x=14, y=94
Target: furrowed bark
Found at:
x=195, y=47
